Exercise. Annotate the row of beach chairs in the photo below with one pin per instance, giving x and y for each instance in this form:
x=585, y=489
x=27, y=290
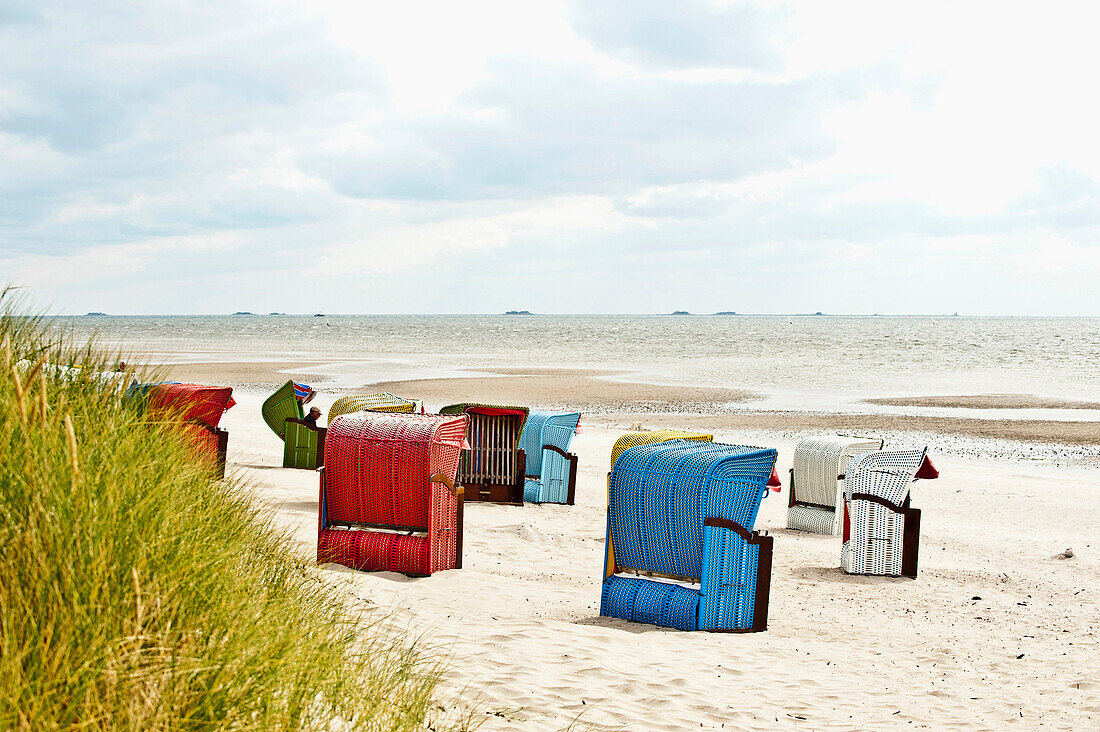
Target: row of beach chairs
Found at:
x=681, y=546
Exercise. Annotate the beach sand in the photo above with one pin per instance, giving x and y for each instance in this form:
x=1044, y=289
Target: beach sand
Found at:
x=995, y=632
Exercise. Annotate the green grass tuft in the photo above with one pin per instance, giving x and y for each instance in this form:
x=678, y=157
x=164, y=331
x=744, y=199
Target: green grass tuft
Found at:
x=137, y=593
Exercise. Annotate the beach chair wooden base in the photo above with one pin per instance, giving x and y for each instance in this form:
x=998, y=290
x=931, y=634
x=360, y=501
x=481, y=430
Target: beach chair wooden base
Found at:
x=303, y=445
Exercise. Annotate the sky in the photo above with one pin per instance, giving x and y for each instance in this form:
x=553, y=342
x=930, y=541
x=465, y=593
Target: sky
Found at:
x=622, y=156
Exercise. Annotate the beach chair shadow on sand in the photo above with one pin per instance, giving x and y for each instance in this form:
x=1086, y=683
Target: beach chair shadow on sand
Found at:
x=494, y=469
x=551, y=468
x=388, y=500
x=681, y=551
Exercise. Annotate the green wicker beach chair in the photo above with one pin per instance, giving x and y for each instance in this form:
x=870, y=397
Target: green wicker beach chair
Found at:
x=302, y=442
x=281, y=406
x=304, y=446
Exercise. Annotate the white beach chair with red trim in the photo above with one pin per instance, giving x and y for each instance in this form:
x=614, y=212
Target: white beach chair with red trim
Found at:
x=881, y=529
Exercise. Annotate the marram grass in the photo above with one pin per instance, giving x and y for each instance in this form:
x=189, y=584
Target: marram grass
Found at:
x=137, y=593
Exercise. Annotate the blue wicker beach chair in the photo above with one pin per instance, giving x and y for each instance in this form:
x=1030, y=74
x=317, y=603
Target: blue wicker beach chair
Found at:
x=682, y=512
x=551, y=468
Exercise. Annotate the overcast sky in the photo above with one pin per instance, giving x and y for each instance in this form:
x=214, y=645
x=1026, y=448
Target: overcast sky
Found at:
x=616, y=156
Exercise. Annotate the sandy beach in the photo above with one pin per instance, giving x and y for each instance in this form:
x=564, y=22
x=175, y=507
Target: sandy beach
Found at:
x=997, y=630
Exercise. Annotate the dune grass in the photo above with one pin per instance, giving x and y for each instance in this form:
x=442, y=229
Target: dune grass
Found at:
x=136, y=592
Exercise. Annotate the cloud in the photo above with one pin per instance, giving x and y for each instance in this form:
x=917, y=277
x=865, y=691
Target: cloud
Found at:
x=685, y=34
x=642, y=155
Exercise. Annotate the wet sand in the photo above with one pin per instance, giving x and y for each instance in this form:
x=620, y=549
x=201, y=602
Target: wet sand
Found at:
x=604, y=400
x=985, y=401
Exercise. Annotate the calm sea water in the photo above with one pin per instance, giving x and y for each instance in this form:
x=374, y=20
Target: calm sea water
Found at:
x=806, y=358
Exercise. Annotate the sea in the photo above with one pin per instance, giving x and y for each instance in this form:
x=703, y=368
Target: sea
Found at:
x=803, y=362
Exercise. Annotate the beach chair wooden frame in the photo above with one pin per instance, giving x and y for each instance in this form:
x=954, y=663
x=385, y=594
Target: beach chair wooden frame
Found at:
x=388, y=499
x=682, y=511
x=817, y=481
x=551, y=470
x=881, y=529
x=495, y=467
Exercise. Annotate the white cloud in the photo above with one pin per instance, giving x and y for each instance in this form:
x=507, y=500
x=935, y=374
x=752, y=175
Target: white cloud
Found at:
x=150, y=152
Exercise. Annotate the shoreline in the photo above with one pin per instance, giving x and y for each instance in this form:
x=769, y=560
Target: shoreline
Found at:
x=606, y=401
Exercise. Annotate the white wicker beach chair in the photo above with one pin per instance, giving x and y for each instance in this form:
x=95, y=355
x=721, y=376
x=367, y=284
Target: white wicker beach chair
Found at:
x=817, y=481
x=881, y=530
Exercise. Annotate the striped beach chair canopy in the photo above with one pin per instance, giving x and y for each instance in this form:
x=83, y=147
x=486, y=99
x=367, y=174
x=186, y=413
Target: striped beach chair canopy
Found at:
x=685, y=510
x=379, y=401
x=385, y=499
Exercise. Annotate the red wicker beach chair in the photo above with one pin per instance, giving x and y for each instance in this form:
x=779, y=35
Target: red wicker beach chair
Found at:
x=201, y=409
x=388, y=498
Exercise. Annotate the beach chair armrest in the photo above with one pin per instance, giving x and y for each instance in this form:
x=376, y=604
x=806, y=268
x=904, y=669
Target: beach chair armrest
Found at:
x=441, y=478
x=736, y=577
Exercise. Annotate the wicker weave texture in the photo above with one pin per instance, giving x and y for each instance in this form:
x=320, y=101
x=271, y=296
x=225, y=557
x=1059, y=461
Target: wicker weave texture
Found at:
x=659, y=495
x=203, y=441
x=817, y=463
x=546, y=428
x=813, y=519
x=281, y=406
x=874, y=541
x=377, y=477
x=204, y=404
x=633, y=439
x=380, y=401
x=549, y=473
x=300, y=446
